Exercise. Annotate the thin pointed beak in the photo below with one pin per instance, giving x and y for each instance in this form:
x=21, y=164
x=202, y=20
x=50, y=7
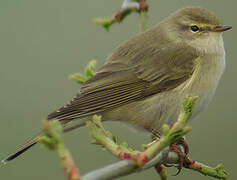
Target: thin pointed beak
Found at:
x=221, y=28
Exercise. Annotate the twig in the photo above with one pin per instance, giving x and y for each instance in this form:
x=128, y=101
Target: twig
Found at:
x=103, y=137
x=123, y=168
x=106, y=139
x=128, y=6
x=216, y=172
x=52, y=140
x=90, y=71
x=139, y=159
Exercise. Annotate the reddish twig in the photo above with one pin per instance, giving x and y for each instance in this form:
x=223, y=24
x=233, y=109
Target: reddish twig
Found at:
x=52, y=139
x=140, y=7
x=217, y=172
x=106, y=139
x=69, y=166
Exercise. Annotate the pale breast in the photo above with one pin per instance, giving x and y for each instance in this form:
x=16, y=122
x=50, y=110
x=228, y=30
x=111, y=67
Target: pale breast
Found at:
x=207, y=75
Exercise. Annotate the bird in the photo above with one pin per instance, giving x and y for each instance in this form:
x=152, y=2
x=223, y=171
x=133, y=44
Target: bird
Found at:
x=144, y=81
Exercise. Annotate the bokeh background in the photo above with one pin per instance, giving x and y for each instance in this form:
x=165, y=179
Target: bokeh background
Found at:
x=42, y=42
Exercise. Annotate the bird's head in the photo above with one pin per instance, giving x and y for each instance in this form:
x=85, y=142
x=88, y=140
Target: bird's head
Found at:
x=195, y=26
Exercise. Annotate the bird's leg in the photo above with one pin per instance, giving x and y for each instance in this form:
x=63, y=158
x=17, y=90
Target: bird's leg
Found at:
x=159, y=168
x=184, y=144
x=181, y=148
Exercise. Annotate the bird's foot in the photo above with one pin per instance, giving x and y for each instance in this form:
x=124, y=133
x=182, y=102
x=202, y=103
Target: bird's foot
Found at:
x=181, y=149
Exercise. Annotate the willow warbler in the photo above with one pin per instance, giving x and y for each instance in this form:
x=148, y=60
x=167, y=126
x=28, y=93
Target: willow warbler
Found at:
x=145, y=80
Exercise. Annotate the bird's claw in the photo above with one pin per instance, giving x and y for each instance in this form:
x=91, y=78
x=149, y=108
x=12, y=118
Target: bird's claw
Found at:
x=181, y=149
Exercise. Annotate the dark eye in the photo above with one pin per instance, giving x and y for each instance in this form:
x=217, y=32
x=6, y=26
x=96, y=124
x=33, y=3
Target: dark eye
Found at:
x=194, y=28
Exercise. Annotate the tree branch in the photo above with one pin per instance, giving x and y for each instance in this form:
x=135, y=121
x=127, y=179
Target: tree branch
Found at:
x=139, y=159
x=132, y=160
x=107, y=140
x=123, y=168
x=216, y=172
x=136, y=161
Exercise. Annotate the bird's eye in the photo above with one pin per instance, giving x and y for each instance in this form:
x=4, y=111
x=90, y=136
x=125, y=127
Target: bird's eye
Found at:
x=195, y=28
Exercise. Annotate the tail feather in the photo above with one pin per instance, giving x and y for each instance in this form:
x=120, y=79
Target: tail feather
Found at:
x=21, y=150
x=34, y=141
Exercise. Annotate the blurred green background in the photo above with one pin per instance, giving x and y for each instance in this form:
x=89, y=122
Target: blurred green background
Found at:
x=42, y=42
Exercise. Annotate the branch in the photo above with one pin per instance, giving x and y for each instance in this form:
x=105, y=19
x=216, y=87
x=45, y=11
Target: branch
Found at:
x=123, y=168
x=216, y=172
x=140, y=159
x=133, y=161
x=52, y=140
x=128, y=6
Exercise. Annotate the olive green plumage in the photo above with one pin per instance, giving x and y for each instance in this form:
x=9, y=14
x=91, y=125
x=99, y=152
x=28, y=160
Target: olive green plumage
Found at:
x=144, y=81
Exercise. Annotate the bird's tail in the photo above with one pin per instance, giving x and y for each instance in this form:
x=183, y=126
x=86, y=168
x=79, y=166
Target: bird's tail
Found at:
x=21, y=150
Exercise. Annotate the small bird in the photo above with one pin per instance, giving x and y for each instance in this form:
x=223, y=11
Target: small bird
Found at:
x=144, y=81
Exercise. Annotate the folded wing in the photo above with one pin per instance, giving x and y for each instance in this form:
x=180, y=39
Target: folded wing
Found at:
x=134, y=71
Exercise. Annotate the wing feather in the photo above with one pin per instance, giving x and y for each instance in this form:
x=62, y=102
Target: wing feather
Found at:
x=85, y=104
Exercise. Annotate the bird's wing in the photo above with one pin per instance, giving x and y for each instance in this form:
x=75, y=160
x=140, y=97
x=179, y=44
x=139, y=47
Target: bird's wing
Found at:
x=101, y=98
x=132, y=73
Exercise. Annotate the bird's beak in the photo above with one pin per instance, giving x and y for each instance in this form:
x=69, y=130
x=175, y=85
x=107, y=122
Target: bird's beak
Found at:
x=221, y=28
